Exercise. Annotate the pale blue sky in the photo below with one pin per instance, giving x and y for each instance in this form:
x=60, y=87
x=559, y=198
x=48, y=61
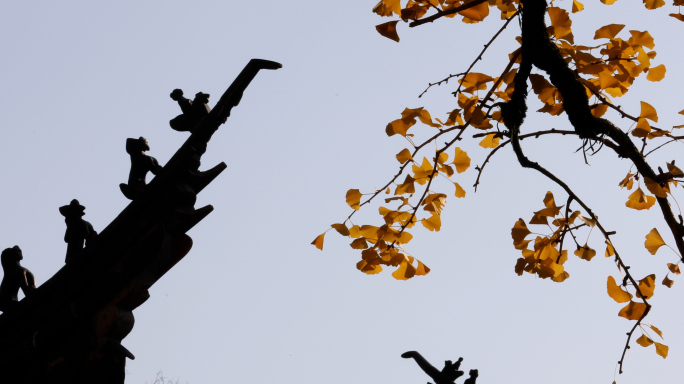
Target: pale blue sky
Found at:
x=254, y=302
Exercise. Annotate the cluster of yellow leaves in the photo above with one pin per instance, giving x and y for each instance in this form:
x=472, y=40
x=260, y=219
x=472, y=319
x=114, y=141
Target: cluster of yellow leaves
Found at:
x=417, y=9
x=638, y=199
x=653, y=242
x=383, y=245
x=545, y=259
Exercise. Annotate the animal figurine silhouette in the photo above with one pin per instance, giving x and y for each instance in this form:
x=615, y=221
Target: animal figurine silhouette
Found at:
x=472, y=378
x=140, y=165
x=79, y=232
x=193, y=111
x=15, y=277
x=447, y=375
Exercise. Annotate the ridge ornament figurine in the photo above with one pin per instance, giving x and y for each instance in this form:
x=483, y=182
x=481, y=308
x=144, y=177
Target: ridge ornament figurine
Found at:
x=78, y=232
x=193, y=111
x=15, y=277
x=140, y=165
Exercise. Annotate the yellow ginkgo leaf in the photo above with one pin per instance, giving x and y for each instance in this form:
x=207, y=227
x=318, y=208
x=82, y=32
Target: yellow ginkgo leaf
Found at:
x=674, y=268
x=359, y=244
x=354, y=198
x=404, y=156
x=407, y=186
x=653, y=4
x=639, y=200
x=608, y=32
x=676, y=172
x=677, y=16
x=405, y=271
x=655, y=188
x=434, y=223
x=422, y=269
x=633, y=311
x=476, y=13
x=577, y=6
x=627, y=181
x=653, y=241
x=460, y=192
x=617, y=293
x=387, y=7
x=667, y=282
x=641, y=39
x=662, y=349
x=648, y=112
x=318, y=242
x=519, y=232
x=585, y=253
x=490, y=141
x=656, y=73
x=461, y=160
x=646, y=287
x=644, y=341
x=389, y=30
x=341, y=228
x=610, y=251
x=656, y=330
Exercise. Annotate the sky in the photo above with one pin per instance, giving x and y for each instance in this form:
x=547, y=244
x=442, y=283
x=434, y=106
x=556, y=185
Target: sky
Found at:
x=253, y=301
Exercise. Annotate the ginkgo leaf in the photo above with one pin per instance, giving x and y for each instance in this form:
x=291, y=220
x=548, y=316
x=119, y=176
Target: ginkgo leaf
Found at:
x=639, y=200
x=627, y=181
x=341, y=228
x=674, y=268
x=389, y=30
x=656, y=73
x=476, y=13
x=359, y=244
x=633, y=311
x=460, y=192
x=422, y=269
x=490, y=141
x=434, y=223
x=667, y=282
x=519, y=232
x=676, y=172
x=655, y=188
x=608, y=31
x=677, y=16
x=610, y=251
x=461, y=160
x=318, y=242
x=656, y=330
x=641, y=39
x=644, y=341
x=648, y=112
x=404, y=156
x=653, y=4
x=617, y=293
x=646, y=287
x=577, y=6
x=662, y=349
x=354, y=198
x=405, y=271
x=387, y=7
x=407, y=186
x=653, y=241
x=585, y=253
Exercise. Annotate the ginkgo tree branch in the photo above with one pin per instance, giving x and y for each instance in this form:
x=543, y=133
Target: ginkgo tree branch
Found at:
x=447, y=12
x=534, y=36
x=545, y=55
